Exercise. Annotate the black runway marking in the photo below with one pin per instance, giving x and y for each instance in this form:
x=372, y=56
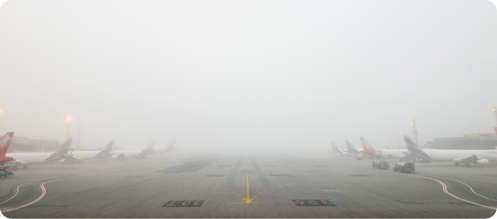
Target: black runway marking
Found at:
x=187, y=203
x=312, y=202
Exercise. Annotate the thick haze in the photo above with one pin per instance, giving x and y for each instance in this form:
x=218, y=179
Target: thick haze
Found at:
x=247, y=75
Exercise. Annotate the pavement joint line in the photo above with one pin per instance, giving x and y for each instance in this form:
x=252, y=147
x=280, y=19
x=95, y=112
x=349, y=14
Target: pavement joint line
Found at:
x=248, y=199
x=228, y=190
x=286, y=184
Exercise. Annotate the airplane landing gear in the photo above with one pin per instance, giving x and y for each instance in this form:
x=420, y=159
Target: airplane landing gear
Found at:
x=5, y=173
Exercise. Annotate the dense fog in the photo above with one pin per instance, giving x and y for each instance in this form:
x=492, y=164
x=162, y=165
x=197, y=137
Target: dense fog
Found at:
x=247, y=76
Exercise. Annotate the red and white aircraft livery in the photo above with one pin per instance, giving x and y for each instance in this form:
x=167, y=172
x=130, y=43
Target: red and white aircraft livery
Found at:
x=367, y=149
x=170, y=145
x=125, y=154
x=5, y=162
x=383, y=153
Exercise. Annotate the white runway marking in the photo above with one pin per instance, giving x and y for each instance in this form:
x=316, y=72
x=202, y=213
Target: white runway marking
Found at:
x=443, y=184
x=474, y=191
x=44, y=191
x=17, y=192
x=454, y=196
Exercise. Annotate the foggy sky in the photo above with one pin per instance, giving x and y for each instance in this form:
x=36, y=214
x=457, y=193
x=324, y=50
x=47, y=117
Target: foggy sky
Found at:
x=247, y=75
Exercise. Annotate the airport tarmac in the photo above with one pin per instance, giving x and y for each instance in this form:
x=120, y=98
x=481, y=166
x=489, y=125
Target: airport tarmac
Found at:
x=247, y=186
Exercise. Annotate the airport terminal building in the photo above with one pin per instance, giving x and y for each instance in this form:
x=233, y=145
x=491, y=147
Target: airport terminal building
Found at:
x=483, y=141
x=24, y=144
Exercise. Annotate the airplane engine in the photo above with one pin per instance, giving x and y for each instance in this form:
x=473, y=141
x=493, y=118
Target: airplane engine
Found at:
x=122, y=157
x=72, y=159
x=482, y=161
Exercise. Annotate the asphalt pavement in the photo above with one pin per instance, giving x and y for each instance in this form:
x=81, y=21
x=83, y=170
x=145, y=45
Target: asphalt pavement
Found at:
x=247, y=186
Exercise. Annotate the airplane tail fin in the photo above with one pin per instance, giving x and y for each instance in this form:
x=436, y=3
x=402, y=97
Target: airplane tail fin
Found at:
x=411, y=146
x=365, y=145
x=170, y=145
x=5, y=142
x=348, y=144
x=495, y=129
x=334, y=146
x=64, y=147
x=148, y=150
x=108, y=147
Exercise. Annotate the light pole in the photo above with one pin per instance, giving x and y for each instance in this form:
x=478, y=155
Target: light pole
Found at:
x=68, y=119
x=495, y=111
x=415, y=131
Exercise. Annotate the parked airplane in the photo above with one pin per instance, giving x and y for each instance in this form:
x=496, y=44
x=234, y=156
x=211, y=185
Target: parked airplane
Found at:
x=5, y=161
x=352, y=151
x=403, y=154
x=105, y=153
x=125, y=154
x=466, y=157
x=338, y=151
x=367, y=149
x=170, y=145
x=60, y=154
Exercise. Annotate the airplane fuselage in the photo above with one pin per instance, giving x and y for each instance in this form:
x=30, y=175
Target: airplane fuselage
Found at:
x=451, y=155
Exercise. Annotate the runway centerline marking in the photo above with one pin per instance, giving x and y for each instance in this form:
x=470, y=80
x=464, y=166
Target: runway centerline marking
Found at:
x=226, y=189
x=248, y=200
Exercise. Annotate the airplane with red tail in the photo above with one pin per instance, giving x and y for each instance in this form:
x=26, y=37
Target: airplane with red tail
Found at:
x=367, y=149
x=6, y=162
x=125, y=154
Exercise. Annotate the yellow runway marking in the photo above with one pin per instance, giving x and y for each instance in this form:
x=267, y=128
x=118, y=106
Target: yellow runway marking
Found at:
x=248, y=187
x=228, y=190
x=247, y=199
x=234, y=203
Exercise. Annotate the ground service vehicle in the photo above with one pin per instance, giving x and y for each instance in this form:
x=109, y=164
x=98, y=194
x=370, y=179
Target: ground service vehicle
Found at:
x=404, y=167
x=381, y=164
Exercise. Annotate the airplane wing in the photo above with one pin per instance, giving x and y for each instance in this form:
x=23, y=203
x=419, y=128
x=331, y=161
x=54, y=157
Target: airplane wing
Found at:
x=471, y=159
x=21, y=161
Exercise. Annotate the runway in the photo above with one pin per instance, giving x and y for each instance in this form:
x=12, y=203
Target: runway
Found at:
x=247, y=186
